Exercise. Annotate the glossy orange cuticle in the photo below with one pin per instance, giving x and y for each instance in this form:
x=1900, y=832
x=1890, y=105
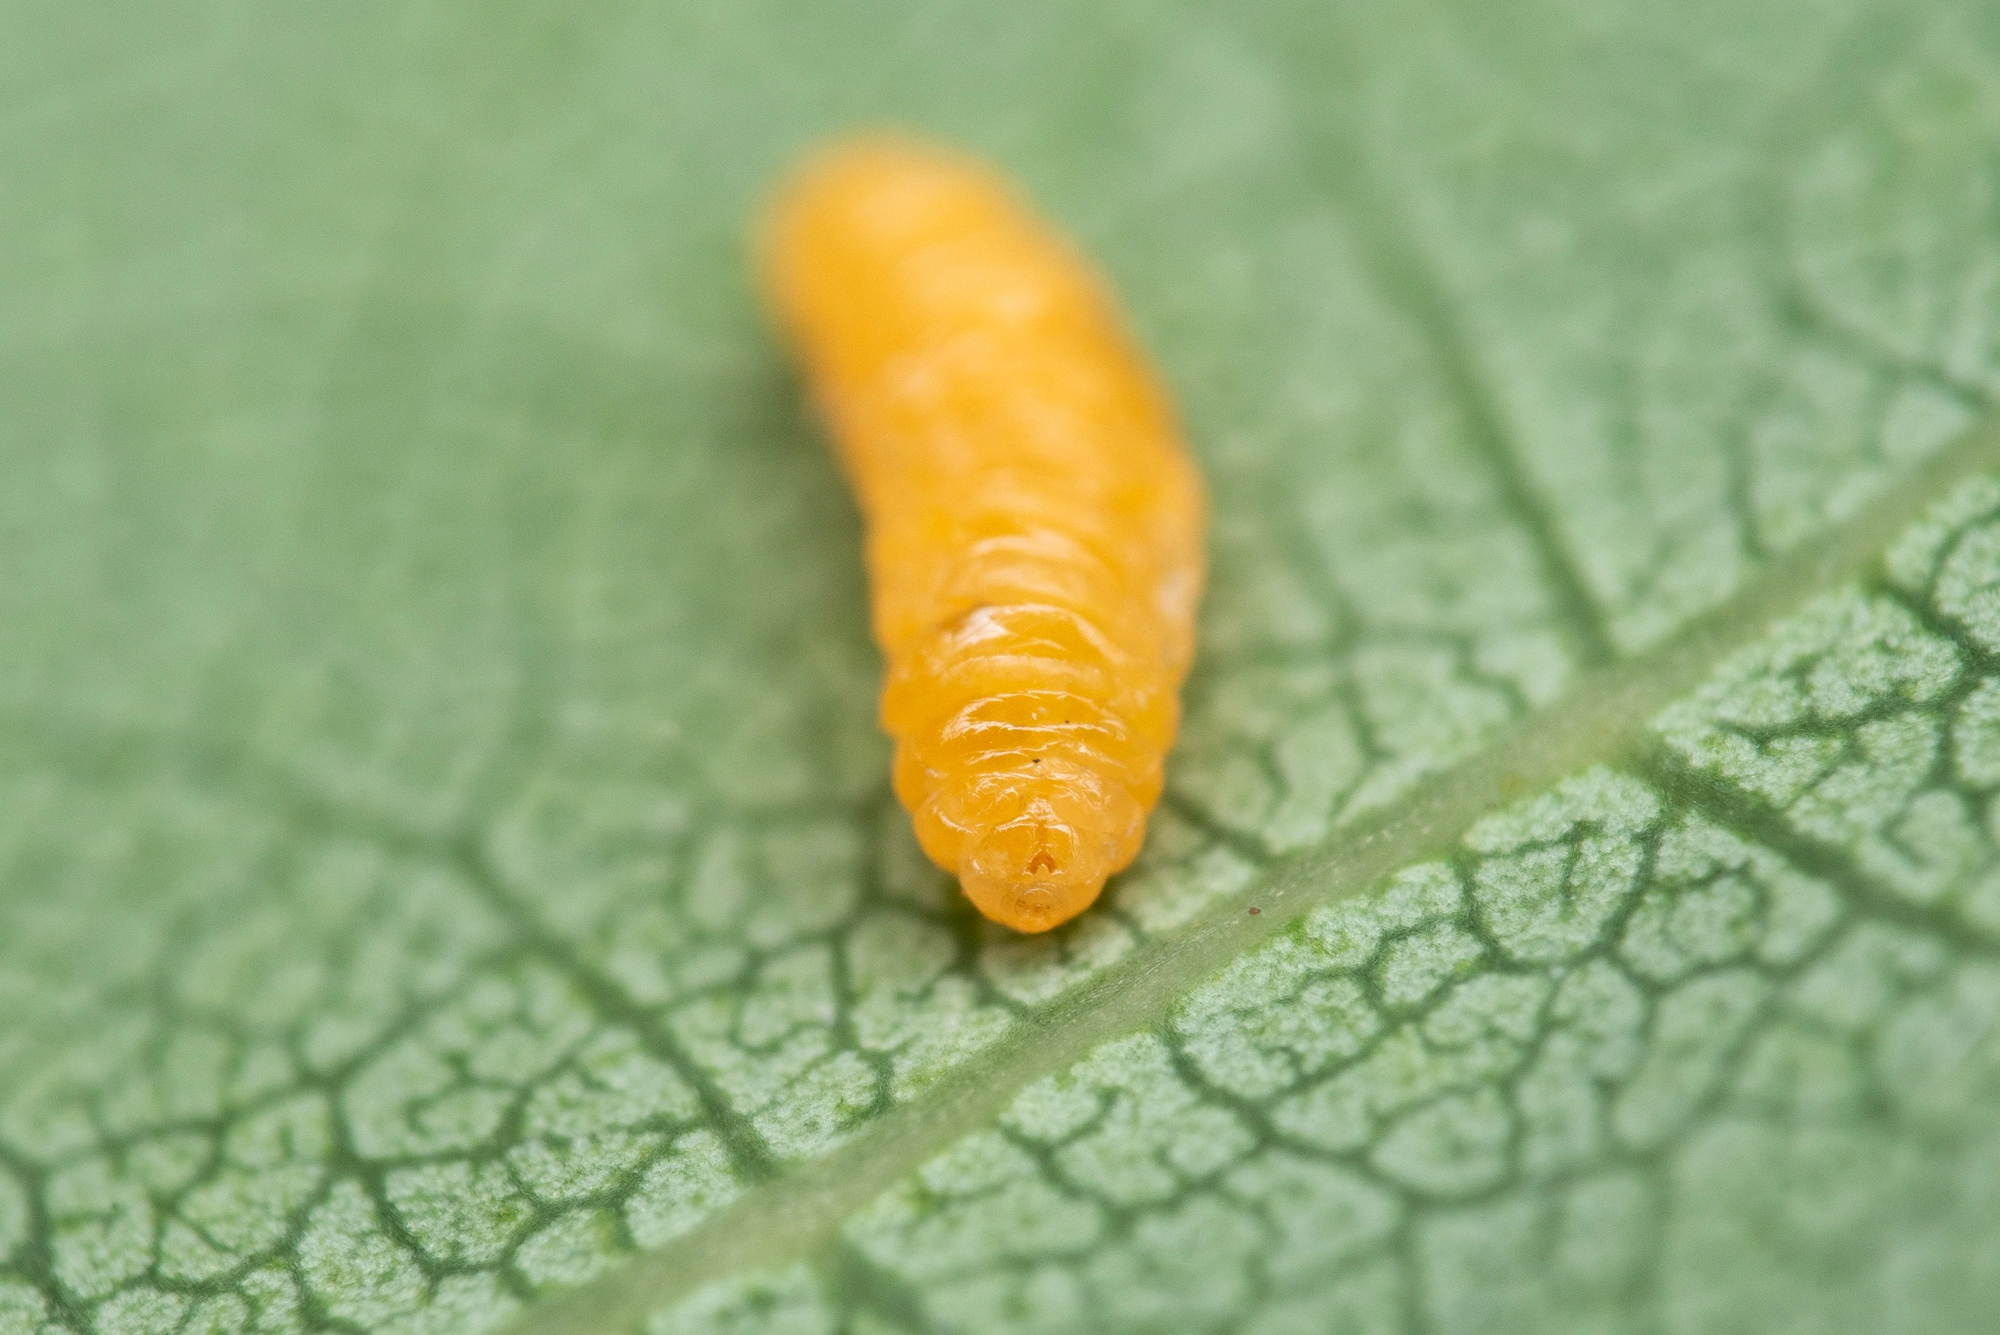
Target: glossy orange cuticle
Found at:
x=1034, y=523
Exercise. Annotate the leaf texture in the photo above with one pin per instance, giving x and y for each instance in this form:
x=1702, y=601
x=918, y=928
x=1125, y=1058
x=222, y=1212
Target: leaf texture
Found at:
x=448, y=879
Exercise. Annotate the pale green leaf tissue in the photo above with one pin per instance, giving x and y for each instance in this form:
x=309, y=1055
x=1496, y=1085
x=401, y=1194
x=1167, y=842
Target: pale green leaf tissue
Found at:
x=448, y=879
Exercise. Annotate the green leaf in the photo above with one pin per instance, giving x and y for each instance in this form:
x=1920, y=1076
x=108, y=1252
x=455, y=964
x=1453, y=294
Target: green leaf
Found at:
x=448, y=878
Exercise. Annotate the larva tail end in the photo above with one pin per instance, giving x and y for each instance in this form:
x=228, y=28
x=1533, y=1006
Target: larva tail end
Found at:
x=1031, y=906
x=1035, y=872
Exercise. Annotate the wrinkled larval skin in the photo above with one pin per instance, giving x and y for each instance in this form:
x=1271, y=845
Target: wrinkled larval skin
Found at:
x=1034, y=523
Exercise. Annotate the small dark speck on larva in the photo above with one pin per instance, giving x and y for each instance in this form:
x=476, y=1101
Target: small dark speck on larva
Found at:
x=1254, y=911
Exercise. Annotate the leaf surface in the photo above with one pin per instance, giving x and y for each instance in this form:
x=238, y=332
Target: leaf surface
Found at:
x=447, y=872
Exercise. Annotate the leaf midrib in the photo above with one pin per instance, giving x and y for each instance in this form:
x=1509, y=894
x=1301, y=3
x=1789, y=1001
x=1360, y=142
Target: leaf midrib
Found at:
x=1602, y=719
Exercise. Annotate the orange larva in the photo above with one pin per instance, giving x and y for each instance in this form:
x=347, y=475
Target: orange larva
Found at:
x=1034, y=524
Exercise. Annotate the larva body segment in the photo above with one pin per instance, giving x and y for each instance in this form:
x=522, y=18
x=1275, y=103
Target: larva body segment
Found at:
x=1034, y=524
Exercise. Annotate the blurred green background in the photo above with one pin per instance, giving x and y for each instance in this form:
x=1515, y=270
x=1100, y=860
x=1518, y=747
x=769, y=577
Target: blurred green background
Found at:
x=445, y=847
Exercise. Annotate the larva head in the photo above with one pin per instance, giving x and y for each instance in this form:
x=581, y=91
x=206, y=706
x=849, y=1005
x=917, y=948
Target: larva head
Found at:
x=1037, y=852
